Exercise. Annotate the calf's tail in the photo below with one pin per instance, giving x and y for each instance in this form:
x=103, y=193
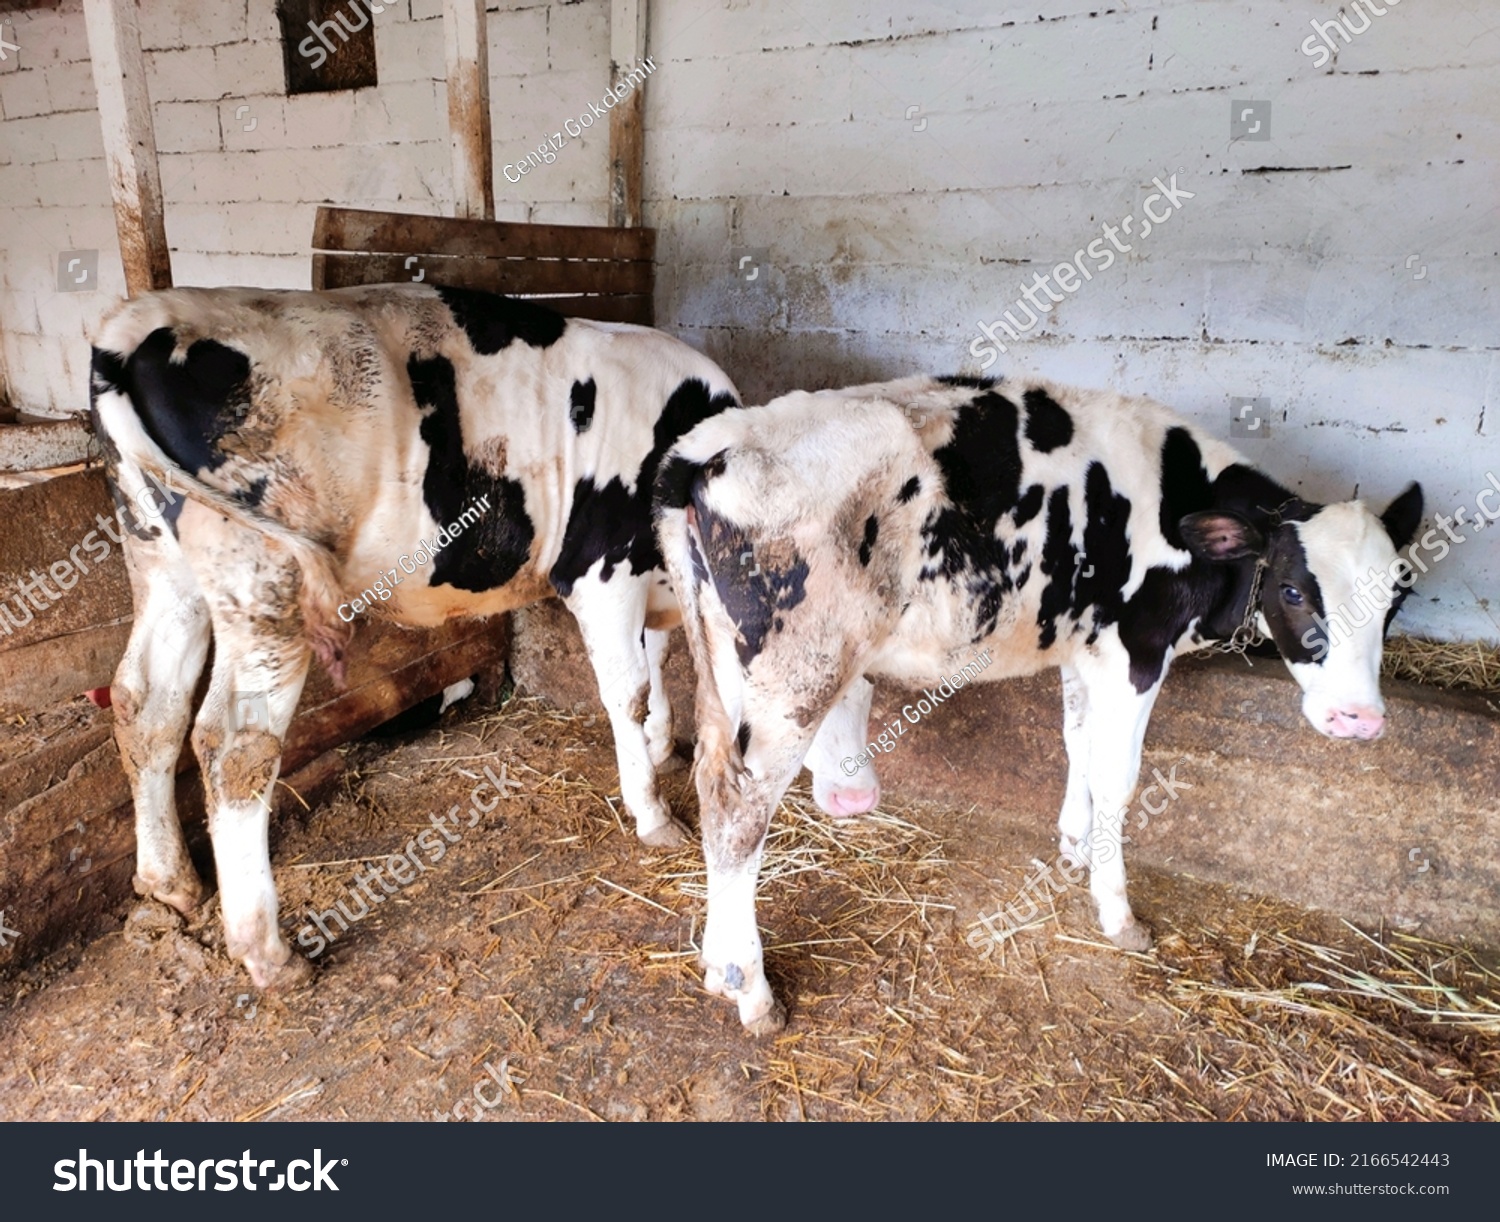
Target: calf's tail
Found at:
x=679, y=503
x=132, y=457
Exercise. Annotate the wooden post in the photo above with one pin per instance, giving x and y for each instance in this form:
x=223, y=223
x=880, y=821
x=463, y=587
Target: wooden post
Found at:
x=627, y=135
x=467, y=50
x=129, y=142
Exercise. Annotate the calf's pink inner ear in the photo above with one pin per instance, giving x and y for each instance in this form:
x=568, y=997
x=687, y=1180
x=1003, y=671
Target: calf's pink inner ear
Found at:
x=1217, y=536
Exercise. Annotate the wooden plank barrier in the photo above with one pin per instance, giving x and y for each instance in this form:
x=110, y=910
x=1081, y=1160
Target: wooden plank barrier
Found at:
x=582, y=271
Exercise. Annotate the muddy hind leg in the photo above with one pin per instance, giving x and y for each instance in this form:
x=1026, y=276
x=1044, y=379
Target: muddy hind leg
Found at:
x=738, y=794
x=257, y=679
x=152, y=695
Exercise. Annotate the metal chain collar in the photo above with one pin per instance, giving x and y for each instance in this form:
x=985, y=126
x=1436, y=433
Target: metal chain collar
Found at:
x=1247, y=634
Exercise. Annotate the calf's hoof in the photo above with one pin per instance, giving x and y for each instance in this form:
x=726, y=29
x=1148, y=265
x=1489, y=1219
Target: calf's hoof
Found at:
x=183, y=894
x=1070, y=854
x=281, y=977
x=673, y=762
x=760, y=1013
x=669, y=835
x=149, y=922
x=1136, y=936
x=769, y=1021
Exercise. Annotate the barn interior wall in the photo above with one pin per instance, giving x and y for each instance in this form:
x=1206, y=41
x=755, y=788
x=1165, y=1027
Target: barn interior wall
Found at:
x=243, y=166
x=904, y=169
x=895, y=174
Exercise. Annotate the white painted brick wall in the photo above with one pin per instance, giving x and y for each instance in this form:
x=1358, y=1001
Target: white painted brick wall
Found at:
x=192, y=23
x=788, y=131
x=23, y=94
x=408, y=50
x=785, y=127
x=518, y=41
x=577, y=36
x=189, y=74
x=241, y=203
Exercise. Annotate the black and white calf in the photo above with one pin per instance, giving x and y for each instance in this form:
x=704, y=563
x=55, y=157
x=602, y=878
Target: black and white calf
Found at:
x=320, y=438
x=893, y=530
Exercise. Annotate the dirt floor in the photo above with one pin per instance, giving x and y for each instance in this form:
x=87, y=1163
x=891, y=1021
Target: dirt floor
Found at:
x=549, y=958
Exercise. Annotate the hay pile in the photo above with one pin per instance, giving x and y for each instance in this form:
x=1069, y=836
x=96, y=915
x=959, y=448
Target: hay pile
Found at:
x=1245, y=1009
x=1471, y=665
x=1400, y=1028
x=550, y=943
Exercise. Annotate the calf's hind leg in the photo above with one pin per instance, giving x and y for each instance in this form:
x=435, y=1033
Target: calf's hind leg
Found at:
x=259, y=669
x=753, y=739
x=735, y=807
x=152, y=695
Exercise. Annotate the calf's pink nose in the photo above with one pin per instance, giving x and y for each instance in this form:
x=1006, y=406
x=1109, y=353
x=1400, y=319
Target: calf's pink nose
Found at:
x=847, y=802
x=1355, y=723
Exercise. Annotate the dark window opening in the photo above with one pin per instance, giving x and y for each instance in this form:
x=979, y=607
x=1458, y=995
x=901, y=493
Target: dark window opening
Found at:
x=328, y=44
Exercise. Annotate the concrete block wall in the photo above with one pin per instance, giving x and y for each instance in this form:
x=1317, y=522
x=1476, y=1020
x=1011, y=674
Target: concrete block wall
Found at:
x=243, y=166
x=906, y=168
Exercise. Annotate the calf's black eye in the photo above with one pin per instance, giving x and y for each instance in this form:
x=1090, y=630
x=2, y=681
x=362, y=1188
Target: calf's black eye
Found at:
x=1291, y=595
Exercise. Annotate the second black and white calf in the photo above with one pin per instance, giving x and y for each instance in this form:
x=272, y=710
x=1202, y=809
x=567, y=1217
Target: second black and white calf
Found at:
x=891, y=531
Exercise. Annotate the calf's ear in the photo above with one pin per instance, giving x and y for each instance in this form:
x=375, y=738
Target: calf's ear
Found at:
x=1218, y=537
x=1402, y=515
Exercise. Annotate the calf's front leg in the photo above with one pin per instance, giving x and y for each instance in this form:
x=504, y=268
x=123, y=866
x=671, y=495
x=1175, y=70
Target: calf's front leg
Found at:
x=612, y=619
x=1115, y=727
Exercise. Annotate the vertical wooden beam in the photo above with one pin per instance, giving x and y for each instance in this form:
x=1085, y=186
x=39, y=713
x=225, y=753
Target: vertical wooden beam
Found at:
x=627, y=133
x=467, y=49
x=129, y=142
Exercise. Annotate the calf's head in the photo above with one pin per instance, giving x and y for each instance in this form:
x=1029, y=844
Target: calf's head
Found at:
x=1332, y=582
